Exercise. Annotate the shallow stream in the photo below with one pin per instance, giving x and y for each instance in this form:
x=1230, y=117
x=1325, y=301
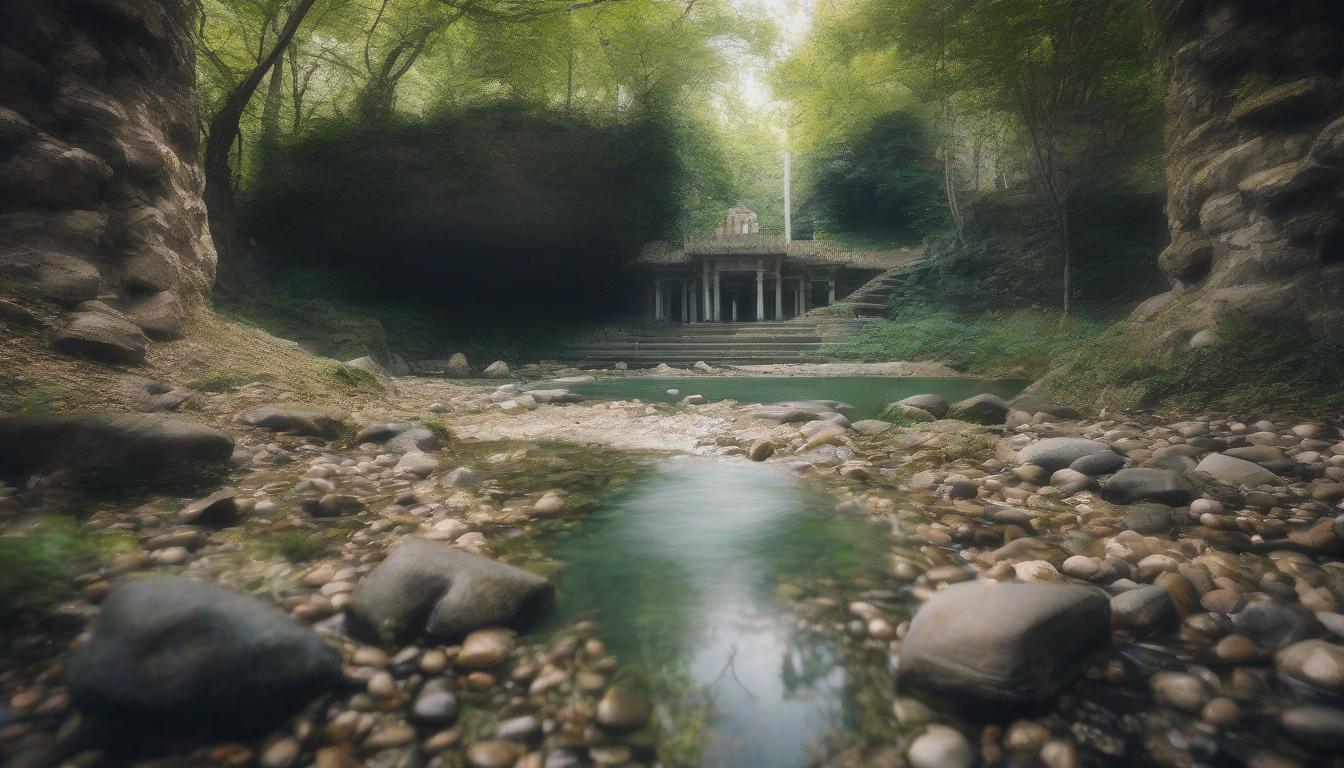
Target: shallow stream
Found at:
x=688, y=574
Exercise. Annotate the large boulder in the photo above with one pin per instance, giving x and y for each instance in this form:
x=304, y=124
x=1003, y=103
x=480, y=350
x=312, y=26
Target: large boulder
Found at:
x=425, y=588
x=1145, y=484
x=984, y=643
x=1056, y=453
x=180, y=656
x=114, y=449
x=982, y=409
x=295, y=421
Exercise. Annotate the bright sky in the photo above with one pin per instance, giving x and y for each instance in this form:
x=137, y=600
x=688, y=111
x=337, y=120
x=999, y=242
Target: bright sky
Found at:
x=794, y=19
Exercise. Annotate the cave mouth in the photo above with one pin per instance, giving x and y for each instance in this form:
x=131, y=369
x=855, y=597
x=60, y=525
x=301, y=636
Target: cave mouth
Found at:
x=1332, y=247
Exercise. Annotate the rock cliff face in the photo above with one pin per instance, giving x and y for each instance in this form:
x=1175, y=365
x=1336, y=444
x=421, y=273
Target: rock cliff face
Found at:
x=100, y=207
x=1255, y=164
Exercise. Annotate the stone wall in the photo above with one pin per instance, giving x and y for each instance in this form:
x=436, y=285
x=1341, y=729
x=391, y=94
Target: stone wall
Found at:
x=1255, y=164
x=100, y=207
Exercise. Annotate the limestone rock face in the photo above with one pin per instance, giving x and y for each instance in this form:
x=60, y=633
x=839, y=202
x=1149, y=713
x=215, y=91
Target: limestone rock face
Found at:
x=100, y=177
x=1255, y=164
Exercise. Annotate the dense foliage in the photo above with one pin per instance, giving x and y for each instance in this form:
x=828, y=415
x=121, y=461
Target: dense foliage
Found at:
x=1052, y=102
x=473, y=207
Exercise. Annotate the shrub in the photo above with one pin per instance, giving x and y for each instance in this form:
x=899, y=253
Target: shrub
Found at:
x=40, y=563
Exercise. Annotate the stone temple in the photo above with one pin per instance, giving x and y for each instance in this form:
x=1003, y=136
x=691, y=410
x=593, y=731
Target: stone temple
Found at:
x=741, y=274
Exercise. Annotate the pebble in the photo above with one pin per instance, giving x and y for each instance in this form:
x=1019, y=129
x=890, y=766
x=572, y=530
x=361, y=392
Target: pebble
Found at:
x=941, y=747
x=1180, y=690
x=1315, y=662
x=494, y=754
x=485, y=648
x=623, y=709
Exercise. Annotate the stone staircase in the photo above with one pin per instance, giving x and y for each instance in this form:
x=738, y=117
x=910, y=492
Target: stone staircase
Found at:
x=790, y=341
x=870, y=300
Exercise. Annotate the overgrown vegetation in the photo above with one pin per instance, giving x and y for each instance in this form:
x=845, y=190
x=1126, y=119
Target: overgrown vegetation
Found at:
x=1249, y=368
x=1020, y=342
x=41, y=561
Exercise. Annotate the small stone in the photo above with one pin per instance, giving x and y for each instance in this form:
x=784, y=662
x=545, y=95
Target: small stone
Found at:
x=623, y=709
x=485, y=648
x=1315, y=662
x=1179, y=690
x=435, y=705
x=1236, y=649
x=1142, y=610
x=433, y=662
x=1026, y=738
x=1320, y=726
x=550, y=503
x=280, y=754
x=1059, y=754
x=1220, y=711
x=761, y=450
x=495, y=753
x=941, y=747
x=382, y=686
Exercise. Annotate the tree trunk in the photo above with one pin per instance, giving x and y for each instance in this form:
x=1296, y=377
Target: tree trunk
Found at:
x=219, y=192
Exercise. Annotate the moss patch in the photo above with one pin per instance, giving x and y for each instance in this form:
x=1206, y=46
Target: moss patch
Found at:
x=1267, y=368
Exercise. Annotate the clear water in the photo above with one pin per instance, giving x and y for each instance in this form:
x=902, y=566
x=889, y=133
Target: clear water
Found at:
x=682, y=572
x=867, y=394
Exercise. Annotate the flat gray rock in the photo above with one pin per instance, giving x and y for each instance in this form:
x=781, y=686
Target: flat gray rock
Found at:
x=295, y=421
x=1230, y=470
x=1145, y=484
x=115, y=449
x=989, y=643
x=425, y=588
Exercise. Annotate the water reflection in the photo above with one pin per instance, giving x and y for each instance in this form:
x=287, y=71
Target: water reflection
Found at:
x=681, y=575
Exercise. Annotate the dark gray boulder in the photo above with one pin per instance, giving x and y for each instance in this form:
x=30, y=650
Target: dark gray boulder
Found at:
x=1056, y=453
x=982, y=409
x=425, y=588
x=929, y=403
x=1145, y=484
x=295, y=421
x=114, y=449
x=179, y=656
x=1148, y=518
x=984, y=643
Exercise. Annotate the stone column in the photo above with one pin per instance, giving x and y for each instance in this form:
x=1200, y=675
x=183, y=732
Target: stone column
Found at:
x=718, y=294
x=657, y=299
x=760, y=291
x=779, y=287
x=830, y=292
x=709, y=305
x=685, y=301
x=694, y=314
x=804, y=284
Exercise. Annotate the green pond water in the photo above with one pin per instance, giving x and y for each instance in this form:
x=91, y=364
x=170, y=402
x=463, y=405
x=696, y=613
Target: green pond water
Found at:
x=867, y=394
x=682, y=572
